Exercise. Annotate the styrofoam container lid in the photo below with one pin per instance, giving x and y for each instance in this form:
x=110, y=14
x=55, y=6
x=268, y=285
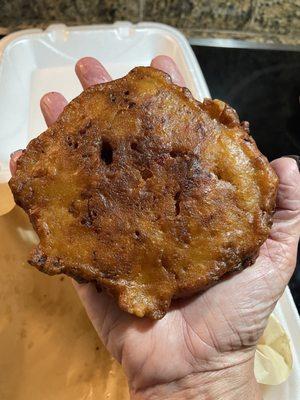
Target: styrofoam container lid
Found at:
x=33, y=62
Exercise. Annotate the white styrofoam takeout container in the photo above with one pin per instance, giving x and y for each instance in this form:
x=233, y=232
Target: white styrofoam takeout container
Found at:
x=33, y=62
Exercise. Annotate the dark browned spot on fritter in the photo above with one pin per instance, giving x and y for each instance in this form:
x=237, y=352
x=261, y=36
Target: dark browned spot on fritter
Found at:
x=146, y=174
x=177, y=202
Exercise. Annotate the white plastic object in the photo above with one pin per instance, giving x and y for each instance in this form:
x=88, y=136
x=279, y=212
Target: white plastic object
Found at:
x=33, y=62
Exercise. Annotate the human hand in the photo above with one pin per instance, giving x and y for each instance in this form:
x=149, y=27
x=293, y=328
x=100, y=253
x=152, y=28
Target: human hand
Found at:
x=204, y=347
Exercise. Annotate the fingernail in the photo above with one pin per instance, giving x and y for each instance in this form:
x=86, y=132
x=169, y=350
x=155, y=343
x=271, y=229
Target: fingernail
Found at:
x=296, y=158
x=47, y=102
x=52, y=105
x=168, y=65
x=91, y=72
x=15, y=152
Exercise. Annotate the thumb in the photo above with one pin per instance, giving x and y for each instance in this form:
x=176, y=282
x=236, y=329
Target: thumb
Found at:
x=287, y=215
x=277, y=259
x=280, y=250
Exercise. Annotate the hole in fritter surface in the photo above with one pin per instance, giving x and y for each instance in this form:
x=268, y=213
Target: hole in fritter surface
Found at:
x=112, y=97
x=131, y=104
x=177, y=203
x=126, y=93
x=71, y=143
x=137, y=234
x=106, y=152
x=133, y=146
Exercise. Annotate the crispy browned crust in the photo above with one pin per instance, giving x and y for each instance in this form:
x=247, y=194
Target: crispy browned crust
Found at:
x=145, y=191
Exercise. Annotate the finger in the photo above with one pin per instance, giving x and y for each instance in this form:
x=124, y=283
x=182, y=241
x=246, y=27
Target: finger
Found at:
x=13, y=160
x=93, y=302
x=166, y=64
x=279, y=252
x=52, y=105
x=287, y=215
x=104, y=313
x=97, y=303
x=91, y=72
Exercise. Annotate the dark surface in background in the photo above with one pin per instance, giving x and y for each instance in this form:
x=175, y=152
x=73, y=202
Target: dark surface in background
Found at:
x=264, y=87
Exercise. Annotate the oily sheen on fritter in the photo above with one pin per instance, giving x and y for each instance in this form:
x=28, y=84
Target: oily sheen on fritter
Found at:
x=145, y=191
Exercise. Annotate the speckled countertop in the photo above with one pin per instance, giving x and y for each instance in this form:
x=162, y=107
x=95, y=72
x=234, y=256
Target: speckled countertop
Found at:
x=269, y=21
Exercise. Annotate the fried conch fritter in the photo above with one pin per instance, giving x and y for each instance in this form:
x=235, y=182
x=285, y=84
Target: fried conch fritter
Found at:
x=145, y=191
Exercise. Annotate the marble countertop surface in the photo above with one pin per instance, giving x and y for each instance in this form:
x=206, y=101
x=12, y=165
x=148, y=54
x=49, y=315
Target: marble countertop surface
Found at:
x=262, y=21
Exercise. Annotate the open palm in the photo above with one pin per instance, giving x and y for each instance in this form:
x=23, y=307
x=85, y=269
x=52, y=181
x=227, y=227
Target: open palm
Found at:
x=215, y=329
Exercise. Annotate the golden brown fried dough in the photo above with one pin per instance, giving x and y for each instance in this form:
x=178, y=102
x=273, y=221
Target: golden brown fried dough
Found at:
x=146, y=192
